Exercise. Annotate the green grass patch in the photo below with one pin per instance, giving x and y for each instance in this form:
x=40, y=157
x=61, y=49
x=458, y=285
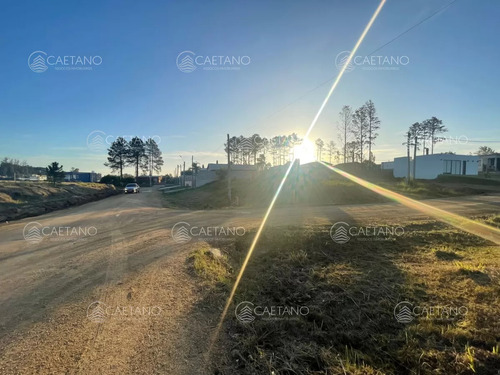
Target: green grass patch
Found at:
x=351, y=291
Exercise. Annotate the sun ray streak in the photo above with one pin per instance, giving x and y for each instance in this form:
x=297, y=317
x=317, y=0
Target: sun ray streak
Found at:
x=479, y=229
x=266, y=216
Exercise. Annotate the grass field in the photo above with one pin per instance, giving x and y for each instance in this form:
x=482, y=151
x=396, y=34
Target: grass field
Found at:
x=312, y=184
x=352, y=291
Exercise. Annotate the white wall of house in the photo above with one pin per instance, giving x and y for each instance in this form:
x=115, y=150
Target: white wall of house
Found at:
x=209, y=174
x=431, y=166
x=490, y=163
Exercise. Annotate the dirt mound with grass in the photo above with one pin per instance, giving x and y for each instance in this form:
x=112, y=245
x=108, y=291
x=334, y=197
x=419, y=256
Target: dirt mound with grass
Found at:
x=25, y=199
x=342, y=302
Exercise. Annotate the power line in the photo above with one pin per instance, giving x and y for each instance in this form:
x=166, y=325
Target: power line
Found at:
x=414, y=26
x=376, y=50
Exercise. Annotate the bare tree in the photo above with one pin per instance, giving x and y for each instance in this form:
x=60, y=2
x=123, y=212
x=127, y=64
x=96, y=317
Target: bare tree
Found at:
x=330, y=148
x=319, y=148
x=345, y=124
x=373, y=125
x=360, y=130
x=432, y=127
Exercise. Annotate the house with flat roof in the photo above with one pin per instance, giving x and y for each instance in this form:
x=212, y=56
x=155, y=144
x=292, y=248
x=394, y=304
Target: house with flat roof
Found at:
x=490, y=163
x=428, y=167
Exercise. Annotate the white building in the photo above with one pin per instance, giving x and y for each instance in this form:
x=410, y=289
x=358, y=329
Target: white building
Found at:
x=431, y=166
x=490, y=163
x=215, y=171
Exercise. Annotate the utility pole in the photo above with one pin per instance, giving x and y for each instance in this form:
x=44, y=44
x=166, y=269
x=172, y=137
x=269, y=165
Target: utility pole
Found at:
x=192, y=171
x=408, y=157
x=150, y=167
x=415, y=158
x=228, y=171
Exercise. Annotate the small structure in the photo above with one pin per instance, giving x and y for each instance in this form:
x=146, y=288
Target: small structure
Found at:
x=215, y=171
x=431, y=166
x=387, y=165
x=490, y=163
x=82, y=177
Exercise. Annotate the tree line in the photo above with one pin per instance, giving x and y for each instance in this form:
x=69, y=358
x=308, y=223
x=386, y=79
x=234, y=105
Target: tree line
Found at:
x=139, y=154
x=425, y=133
x=357, y=134
x=261, y=151
x=358, y=131
x=11, y=168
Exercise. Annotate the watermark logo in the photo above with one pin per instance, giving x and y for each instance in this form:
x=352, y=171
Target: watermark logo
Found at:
x=99, y=312
x=32, y=232
x=180, y=232
x=341, y=233
x=99, y=141
x=249, y=145
x=96, y=312
x=36, y=61
x=183, y=232
x=96, y=141
x=247, y=312
x=188, y=62
x=341, y=60
x=185, y=61
x=370, y=62
x=244, y=312
x=40, y=61
x=402, y=312
x=457, y=140
x=405, y=312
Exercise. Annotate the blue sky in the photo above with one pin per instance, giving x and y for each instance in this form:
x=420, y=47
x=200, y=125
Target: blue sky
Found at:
x=452, y=73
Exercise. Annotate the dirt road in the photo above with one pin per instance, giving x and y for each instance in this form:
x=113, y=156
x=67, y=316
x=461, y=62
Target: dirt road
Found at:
x=104, y=289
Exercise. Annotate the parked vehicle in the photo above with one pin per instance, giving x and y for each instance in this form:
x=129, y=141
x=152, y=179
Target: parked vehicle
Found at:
x=132, y=188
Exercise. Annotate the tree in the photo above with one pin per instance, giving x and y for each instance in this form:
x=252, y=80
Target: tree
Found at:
x=136, y=155
x=484, y=150
x=352, y=151
x=330, y=148
x=117, y=155
x=195, y=166
x=345, y=125
x=153, y=156
x=319, y=148
x=55, y=172
x=360, y=129
x=431, y=128
x=261, y=162
x=373, y=125
x=415, y=132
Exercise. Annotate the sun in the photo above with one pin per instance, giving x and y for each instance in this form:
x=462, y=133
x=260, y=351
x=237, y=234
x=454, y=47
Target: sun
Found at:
x=305, y=152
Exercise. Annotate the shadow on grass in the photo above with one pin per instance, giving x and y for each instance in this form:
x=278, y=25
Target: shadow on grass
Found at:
x=447, y=255
x=478, y=277
x=351, y=292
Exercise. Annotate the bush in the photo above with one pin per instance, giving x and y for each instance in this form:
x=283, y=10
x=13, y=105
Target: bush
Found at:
x=115, y=180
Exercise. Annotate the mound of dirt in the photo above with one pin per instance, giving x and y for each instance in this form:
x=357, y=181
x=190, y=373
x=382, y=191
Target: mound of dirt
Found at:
x=25, y=199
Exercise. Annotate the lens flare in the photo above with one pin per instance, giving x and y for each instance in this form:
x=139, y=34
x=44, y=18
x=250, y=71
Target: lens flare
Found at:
x=266, y=216
x=304, y=152
x=479, y=229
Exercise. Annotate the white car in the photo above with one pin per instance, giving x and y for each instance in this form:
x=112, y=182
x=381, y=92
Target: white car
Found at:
x=132, y=188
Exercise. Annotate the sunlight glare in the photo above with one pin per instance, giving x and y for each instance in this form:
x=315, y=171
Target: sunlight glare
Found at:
x=304, y=152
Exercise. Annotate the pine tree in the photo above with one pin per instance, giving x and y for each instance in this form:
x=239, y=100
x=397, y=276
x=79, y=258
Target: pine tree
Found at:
x=117, y=155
